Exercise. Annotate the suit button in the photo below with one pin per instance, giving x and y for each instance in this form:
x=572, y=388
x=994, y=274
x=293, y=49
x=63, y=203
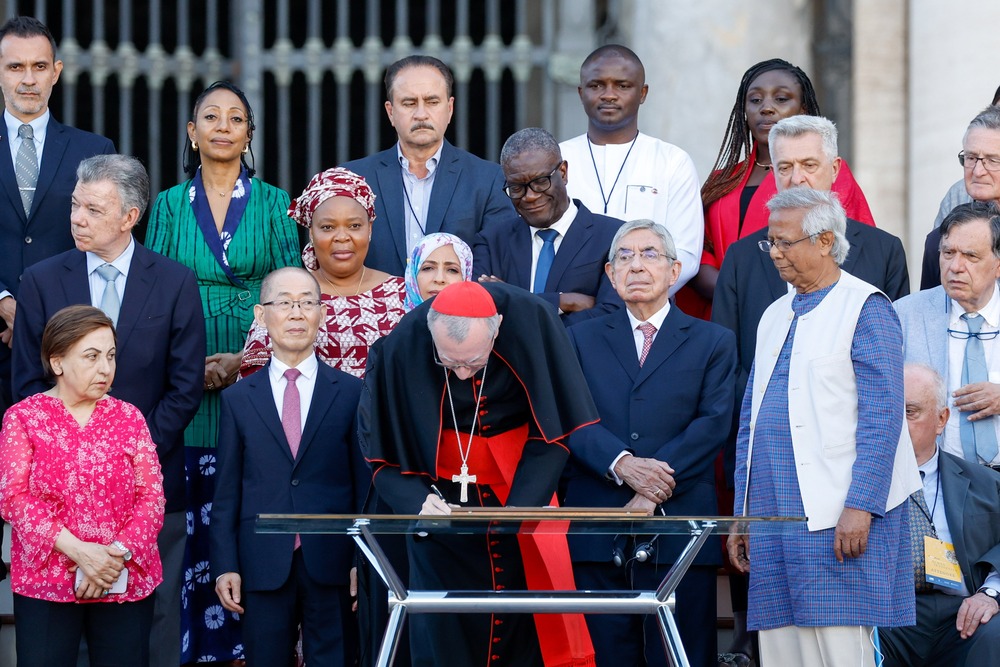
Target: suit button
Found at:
x=295, y=482
x=27, y=239
x=635, y=436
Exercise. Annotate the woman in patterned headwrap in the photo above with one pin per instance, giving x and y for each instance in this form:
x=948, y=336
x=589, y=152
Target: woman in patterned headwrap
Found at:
x=338, y=209
x=231, y=229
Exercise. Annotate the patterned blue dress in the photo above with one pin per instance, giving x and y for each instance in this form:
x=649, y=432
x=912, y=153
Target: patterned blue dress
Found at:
x=794, y=577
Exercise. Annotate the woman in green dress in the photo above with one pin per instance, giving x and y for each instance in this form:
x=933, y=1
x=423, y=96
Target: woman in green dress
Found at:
x=231, y=229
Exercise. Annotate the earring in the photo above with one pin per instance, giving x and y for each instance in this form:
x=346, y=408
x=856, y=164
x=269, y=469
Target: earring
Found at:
x=246, y=149
x=194, y=145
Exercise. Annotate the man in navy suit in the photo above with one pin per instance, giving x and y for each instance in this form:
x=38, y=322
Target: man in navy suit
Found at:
x=34, y=216
x=663, y=384
x=156, y=307
x=556, y=247
x=423, y=184
x=288, y=444
x=956, y=624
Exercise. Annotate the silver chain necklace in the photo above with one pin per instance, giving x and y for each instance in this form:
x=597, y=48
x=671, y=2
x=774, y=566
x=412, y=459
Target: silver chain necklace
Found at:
x=464, y=478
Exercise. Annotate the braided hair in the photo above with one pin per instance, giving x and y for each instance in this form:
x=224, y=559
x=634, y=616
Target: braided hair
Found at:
x=190, y=158
x=736, y=145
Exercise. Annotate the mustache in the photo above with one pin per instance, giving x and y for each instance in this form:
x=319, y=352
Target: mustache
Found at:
x=421, y=126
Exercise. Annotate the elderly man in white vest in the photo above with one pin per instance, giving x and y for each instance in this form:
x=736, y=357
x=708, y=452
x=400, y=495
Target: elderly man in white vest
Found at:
x=821, y=436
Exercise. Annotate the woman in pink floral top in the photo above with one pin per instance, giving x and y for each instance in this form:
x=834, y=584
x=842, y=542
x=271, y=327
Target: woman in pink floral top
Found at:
x=80, y=485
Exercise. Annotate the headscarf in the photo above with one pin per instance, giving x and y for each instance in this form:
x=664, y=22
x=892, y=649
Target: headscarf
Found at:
x=425, y=247
x=335, y=182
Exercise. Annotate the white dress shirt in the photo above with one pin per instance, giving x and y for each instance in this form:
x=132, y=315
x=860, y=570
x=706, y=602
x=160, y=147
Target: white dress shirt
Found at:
x=306, y=383
x=417, y=196
x=38, y=127
x=97, y=283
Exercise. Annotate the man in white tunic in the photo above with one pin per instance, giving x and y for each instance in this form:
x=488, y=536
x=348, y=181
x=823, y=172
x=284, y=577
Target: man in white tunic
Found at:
x=621, y=172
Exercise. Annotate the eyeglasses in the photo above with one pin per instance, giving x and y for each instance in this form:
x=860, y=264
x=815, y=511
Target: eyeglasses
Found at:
x=285, y=306
x=990, y=162
x=966, y=335
x=474, y=365
x=624, y=256
x=540, y=184
x=782, y=244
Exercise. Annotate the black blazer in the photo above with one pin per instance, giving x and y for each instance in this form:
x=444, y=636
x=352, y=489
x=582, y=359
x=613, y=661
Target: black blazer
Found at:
x=257, y=475
x=504, y=250
x=161, y=345
x=467, y=196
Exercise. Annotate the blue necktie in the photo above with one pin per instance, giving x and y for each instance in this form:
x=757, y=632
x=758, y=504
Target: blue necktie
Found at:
x=110, y=303
x=978, y=437
x=545, y=258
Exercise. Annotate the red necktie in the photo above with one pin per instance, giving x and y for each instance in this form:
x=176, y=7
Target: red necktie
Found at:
x=291, y=411
x=647, y=330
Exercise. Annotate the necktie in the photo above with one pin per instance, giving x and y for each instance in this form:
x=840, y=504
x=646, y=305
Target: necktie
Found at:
x=647, y=330
x=978, y=437
x=291, y=420
x=920, y=525
x=545, y=258
x=26, y=167
x=110, y=303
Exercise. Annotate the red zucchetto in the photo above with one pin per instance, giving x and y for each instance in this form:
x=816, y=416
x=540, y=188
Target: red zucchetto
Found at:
x=465, y=299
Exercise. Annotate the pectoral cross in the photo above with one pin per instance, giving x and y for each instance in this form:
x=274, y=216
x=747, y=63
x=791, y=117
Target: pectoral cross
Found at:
x=464, y=480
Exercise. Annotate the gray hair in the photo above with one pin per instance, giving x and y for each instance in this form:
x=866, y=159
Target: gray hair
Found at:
x=529, y=139
x=665, y=238
x=125, y=172
x=823, y=214
x=267, y=286
x=988, y=119
x=457, y=327
x=796, y=126
x=937, y=382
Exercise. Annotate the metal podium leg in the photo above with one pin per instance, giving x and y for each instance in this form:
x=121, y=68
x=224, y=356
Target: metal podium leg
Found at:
x=672, y=644
x=390, y=640
x=369, y=546
x=700, y=533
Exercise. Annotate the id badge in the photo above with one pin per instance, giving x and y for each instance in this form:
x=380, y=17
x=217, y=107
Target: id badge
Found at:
x=941, y=563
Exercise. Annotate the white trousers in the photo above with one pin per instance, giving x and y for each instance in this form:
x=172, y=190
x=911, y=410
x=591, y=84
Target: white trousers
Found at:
x=833, y=646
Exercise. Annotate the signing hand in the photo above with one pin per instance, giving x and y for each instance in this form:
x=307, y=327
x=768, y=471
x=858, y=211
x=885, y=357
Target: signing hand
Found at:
x=652, y=478
x=975, y=611
x=850, y=538
x=982, y=399
x=227, y=587
x=434, y=505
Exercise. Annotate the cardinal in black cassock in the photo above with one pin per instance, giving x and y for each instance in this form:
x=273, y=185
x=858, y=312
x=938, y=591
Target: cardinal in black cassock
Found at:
x=503, y=417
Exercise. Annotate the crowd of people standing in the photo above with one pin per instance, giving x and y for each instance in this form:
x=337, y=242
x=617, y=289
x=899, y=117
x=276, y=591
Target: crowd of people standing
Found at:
x=581, y=324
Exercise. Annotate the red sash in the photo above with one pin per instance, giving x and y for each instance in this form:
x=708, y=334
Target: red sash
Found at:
x=563, y=638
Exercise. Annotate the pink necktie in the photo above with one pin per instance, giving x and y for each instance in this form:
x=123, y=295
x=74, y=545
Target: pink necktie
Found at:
x=647, y=330
x=291, y=411
x=291, y=419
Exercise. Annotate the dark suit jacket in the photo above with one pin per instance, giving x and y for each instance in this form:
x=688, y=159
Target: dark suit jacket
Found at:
x=971, y=495
x=504, y=251
x=930, y=266
x=161, y=345
x=748, y=283
x=675, y=408
x=466, y=197
x=257, y=475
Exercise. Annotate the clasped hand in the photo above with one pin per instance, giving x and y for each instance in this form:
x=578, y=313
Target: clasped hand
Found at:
x=101, y=566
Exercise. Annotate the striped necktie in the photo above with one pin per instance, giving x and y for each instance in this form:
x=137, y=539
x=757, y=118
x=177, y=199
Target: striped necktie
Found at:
x=26, y=167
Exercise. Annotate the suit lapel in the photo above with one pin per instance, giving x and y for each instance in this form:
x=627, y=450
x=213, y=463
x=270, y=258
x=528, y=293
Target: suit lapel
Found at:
x=576, y=236
x=390, y=187
x=445, y=182
x=621, y=342
x=670, y=336
x=519, y=253
x=324, y=394
x=52, y=155
x=935, y=323
x=138, y=290
x=75, y=280
x=262, y=403
x=857, y=248
x=7, y=173
x=954, y=492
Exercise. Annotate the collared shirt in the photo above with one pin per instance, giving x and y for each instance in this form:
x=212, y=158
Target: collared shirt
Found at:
x=930, y=475
x=417, y=196
x=38, y=127
x=97, y=283
x=306, y=383
x=956, y=360
x=656, y=319
x=561, y=226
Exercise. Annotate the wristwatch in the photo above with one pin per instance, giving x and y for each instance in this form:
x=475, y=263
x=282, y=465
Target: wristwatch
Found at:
x=991, y=593
x=128, y=552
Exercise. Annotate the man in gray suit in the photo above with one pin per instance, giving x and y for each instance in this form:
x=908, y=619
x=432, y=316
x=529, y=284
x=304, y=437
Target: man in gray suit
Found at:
x=953, y=329
x=956, y=624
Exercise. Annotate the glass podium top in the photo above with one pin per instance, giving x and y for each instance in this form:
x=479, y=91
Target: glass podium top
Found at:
x=562, y=521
